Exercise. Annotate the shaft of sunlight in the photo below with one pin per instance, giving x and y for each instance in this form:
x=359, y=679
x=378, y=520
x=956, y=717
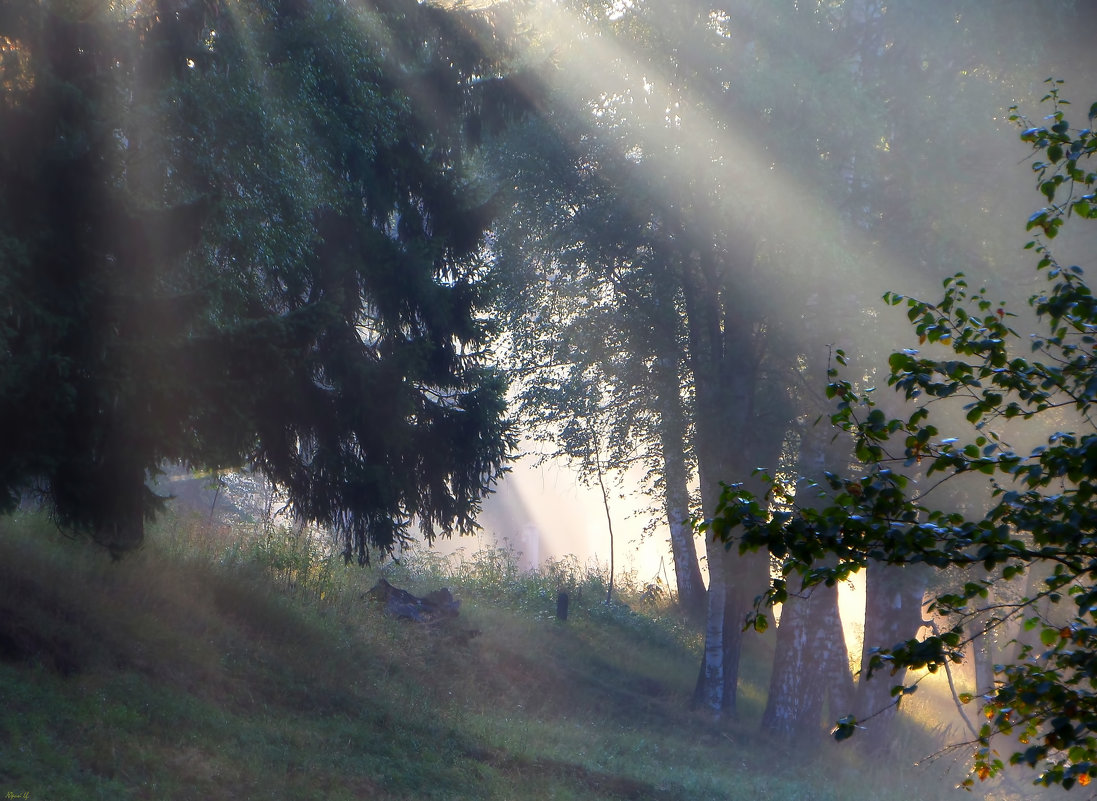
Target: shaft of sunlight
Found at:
x=785, y=214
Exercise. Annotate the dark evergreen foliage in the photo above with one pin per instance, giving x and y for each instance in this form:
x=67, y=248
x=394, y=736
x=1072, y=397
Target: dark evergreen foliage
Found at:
x=241, y=234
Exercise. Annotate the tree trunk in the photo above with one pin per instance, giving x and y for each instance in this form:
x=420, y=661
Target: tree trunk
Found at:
x=687, y=571
x=709, y=692
x=893, y=615
x=724, y=358
x=735, y=580
x=665, y=344
x=747, y=578
x=672, y=440
x=122, y=502
x=811, y=664
x=983, y=654
x=605, y=504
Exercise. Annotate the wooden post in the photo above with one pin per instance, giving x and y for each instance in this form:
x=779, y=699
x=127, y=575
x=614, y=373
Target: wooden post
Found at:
x=562, y=606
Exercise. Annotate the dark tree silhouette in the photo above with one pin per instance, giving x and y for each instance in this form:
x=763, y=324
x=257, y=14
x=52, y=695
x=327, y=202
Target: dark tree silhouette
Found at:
x=242, y=235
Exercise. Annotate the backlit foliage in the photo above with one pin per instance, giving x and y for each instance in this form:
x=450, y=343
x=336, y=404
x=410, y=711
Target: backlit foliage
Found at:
x=1041, y=520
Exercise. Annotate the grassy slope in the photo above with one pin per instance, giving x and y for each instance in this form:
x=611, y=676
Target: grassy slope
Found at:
x=177, y=675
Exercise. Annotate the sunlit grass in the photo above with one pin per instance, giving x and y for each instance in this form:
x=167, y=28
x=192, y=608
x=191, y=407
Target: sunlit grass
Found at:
x=202, y=667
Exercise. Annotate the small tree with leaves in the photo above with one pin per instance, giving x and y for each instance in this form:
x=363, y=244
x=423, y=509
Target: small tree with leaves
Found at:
x=1040, y=521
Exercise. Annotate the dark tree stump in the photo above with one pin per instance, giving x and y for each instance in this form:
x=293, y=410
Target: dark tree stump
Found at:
x=562, y=606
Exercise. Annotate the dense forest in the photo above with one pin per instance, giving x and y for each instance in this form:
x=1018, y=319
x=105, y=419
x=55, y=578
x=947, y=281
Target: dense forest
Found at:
x=370, y=251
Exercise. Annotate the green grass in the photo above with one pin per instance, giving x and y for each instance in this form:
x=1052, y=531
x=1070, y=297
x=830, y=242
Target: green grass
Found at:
x=238, y=665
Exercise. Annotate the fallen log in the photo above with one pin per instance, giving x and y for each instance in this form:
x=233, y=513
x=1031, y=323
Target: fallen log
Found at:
x=434, y=607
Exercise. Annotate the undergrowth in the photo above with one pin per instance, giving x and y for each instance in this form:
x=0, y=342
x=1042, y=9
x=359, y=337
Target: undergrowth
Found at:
x=249, y=662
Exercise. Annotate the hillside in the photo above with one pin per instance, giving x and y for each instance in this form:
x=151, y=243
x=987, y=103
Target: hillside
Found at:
x=204, y=667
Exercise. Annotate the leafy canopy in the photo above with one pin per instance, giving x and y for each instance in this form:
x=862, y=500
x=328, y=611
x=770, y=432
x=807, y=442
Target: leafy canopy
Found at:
x=1040, y=522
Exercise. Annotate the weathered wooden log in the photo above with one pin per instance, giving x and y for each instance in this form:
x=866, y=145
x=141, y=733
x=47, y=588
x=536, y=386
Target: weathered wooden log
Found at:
x=435, y=606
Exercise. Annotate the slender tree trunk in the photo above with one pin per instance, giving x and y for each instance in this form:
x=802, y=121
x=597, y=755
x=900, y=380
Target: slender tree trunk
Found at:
x=605, y=503
x=983, y=654
x=718, y=677
x=709, y=692
x=672, y=441
x=734, y=583
x=665, y=344
x=687, y=570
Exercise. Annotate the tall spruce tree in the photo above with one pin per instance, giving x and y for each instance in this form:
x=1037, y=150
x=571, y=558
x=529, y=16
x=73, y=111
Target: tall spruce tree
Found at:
x=241, y=234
